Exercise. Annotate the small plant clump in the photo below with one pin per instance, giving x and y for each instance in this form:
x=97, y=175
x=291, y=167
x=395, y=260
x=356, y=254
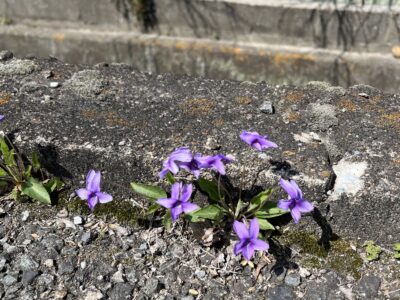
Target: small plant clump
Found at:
x=373, y=250
x=24, y=177
x=223, y=209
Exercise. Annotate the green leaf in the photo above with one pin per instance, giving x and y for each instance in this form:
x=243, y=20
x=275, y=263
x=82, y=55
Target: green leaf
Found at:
x=53, y=184
x=265, y=225
x=35, y=190
x=259, y=200
x=396, y=246
x=15, y=194
x=3, y=172
x=396, y=255
x=170, y=178
x=35, y=161
x=269, y=210
x=9, y=158
x=4, y=147
x=210, y=212
x=152, y=209
x=210, y=188
x=150, y=191
x=28, y=171
x=167, y=220
x=239, y=207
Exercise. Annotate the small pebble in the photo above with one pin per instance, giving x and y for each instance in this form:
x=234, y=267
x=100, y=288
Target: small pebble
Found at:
x=25, y=215
x=267, y=108
x=293, y=279
x=54, y=84
x=200, y=274
x=49, y=263
x=78, y=220
x=304, y=272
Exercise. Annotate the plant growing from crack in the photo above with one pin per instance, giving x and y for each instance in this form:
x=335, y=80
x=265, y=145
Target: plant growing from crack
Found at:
x=25, y=177
x=222, y=208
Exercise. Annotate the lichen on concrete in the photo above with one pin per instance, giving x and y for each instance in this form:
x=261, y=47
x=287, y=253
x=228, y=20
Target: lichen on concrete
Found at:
x=87, y=83
x=17, y=67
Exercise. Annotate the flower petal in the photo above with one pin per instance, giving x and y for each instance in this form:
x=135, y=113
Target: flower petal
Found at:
x=284, y=204
x=181, y=154
x=304, y=206
x=248, y=251
x=254, y=228
x=241, y=230
x=238, y=247
x=186, y=192
x=257, y=145
x=2, y=117
x=219, y=166
x=104, y=197
x=89, y=178
x=175, y=212
x=260, y=245
x=298, y=190
x=83, y=193
x=296, y=215
x=166, y=202
x=94, y=185
x=189, y=207
x=247, y=137
x=92, y=201
x=289, y=188
x=269, y=144
x=163, y=173
x=176, y=190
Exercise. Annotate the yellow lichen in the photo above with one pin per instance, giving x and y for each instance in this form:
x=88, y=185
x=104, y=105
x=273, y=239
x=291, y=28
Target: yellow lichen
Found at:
x=197, y=106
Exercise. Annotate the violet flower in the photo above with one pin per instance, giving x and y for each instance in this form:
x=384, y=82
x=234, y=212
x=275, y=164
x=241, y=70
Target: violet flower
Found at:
x=172, y=163
x=2, y=117
x=193, y=165
x=296, y=203
x=92, y=191
x=257, y=141
x=215, y=162
x=179, y=201
x=248, y=239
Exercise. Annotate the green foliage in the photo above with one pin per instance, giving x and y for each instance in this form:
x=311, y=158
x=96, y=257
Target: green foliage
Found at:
x=396, y=248
x=210, y=188
x=149, y=191
x=25, y=177
x=211, y=212
x=373, y=250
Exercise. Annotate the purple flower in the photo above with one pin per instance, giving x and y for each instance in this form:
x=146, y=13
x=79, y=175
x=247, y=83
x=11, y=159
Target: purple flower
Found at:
x=257, y=141
x=248, y=239
x=180, y=155
x=296, y=203
x=2, y=117
x=193, y=165
x=92, y=191
x=178, y=203
x=215, y=162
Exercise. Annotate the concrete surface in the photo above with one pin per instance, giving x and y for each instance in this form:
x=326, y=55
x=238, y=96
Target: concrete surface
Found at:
x=125, y=123
x=281, y=44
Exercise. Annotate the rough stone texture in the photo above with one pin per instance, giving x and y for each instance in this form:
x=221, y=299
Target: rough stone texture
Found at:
x=127, y=128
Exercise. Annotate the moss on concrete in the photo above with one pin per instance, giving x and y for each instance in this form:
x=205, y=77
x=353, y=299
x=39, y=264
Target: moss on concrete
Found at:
x=340, y=257
x=120, y=210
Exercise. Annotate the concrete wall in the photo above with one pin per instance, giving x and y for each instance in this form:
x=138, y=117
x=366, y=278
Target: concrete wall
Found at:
x=260, y=40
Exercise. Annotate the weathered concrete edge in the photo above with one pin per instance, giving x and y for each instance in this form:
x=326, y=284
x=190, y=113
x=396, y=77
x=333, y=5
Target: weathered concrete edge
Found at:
x=205, y=57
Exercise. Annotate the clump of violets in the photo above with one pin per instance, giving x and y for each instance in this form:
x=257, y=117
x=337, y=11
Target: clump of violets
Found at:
x=248, y=239
x=91, y=193
x=296, y=203
x=179, y=200
x=182, y=158
x=223, y=207
x=257, y=141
